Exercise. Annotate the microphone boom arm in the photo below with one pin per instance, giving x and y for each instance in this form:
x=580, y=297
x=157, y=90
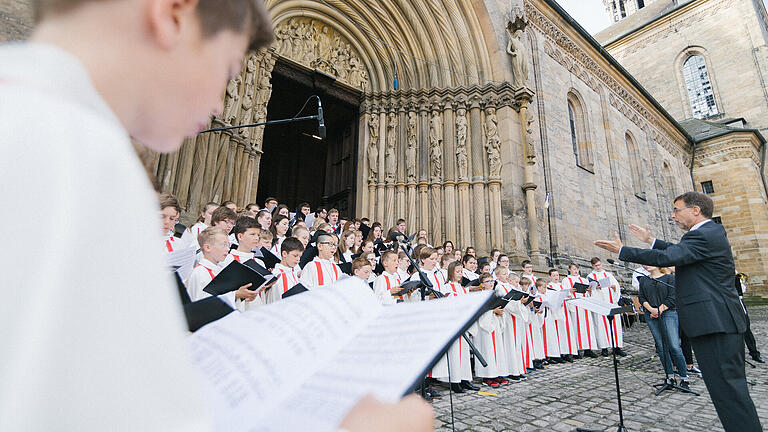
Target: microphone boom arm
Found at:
x=290, y=120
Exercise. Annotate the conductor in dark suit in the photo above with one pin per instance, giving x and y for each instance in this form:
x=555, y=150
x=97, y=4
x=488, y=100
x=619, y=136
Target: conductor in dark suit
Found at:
x=708, y=306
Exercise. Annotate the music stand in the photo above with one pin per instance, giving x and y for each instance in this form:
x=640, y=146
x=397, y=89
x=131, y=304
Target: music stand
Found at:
x=610, y=311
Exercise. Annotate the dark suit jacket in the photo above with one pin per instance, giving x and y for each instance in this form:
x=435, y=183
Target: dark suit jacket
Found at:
x=707, y=301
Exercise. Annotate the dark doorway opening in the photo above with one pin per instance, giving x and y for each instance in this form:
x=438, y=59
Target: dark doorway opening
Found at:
x=297, y=167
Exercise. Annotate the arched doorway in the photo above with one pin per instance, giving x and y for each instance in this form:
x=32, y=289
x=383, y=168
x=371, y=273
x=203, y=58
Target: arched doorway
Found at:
x=296, y=166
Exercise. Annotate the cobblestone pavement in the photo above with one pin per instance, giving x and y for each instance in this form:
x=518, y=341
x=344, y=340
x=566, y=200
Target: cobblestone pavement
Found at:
x=583, y=394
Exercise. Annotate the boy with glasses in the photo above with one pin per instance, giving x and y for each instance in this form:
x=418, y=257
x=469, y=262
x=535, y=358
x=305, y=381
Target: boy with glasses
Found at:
x=322, y=271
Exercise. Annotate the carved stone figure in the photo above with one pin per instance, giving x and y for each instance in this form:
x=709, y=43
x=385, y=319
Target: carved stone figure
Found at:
x=233, y=96
x=319, y=46
x=516, y=49
x=390, y=153
x=461, y=142
x=410, y=151
x=373, y=147
x=492, y=142
x=530, y=149
x=435, y=145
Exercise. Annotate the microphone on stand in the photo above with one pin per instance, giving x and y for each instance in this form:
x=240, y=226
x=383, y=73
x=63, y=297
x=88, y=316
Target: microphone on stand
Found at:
x=320, y=119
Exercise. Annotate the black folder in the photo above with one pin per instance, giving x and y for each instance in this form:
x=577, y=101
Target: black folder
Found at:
x=201, y=312
x=470, y=283
x=238, y=274
x=269, y=258
x=580, y=287
x=536, y=303
x=297, y=289
x=408, y=287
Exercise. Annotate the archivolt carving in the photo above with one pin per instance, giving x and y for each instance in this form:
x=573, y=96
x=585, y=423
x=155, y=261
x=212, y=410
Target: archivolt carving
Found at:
x=317, y=45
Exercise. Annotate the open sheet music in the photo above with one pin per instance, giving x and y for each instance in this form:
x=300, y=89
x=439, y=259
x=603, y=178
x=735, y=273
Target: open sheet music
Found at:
x=302, y=363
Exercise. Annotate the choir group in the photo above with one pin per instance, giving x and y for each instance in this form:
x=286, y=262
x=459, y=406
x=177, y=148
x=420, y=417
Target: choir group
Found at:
x=538, y=328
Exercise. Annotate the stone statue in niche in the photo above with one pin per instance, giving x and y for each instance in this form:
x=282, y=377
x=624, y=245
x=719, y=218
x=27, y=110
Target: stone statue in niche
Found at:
x=319, y=46
x=373, y=147
x=461, y=142
x=492, y=142
x=245, y=114
x=233, y=97
x=516, y=49
x=410, y=151
x=390, y=153
x=435, y=145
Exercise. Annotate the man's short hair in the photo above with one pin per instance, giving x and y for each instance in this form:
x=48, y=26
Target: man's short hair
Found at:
x=248, y=207
x=540, y=282
x=169, y=200
x=221, y=214
x=525, y=281
x=359, y=263
x=266, y=234
x=572, y=264
x=365, y=219
x=239, y=16
x=399, y=221
x=269, y=200
x=244, y=223
x=332, y=211
x=291, y=244
x=700, y=200
x=322, y=238
x=525, y=263
x=207, y=236
x=304, y=204
x=595, y=260
x=499, y=270
x=552, y=270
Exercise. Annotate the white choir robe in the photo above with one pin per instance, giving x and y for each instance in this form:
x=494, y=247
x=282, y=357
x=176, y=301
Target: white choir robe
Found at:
x=490, y=342
x=383, y=284
x=172, y=243
x=532, y=278
x=319, y=273
x=200, y=277
x=566, y=330
x=602, y=323
x=62, y=145
x=286, y=279
x=514, y=332
x=469, y=274
x=277, y=247
x=585, y=323
x=440, y=370
x=404, y=275
x=459, y=364
x=549, y=333
x=190, y=235
x=535, y=336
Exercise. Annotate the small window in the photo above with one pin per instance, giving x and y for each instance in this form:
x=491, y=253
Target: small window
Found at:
x=707, y=187
x=640, y=4
x=718, y=220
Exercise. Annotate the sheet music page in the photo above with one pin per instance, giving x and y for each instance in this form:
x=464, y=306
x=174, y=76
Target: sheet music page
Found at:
x=605, y=282
x=593, y=305
x=554, y=299
x=184, y=259
x=250, y=362
x=384, y=359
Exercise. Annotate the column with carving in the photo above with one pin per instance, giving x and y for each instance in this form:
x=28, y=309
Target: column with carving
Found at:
x=529, y=186
x=436, y=173
x=477, y=179
x=390, y=168
x=493, y=150
x=380, y=195
x=462, y=173
x=372, y=153
x=449, y=175
x=424, y=172
x=411, y=166
x=263, y=96
x=400, y=198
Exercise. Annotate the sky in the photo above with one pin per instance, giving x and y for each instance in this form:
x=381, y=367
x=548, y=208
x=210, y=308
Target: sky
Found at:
x=591, y=14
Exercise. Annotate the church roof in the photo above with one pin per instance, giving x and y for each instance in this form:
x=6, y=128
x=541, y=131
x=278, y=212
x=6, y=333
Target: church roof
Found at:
x=647, y=15
x=613, y=62
x=703, y=130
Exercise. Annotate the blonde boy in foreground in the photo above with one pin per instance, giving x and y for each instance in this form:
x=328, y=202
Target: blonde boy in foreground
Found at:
x=93, y=74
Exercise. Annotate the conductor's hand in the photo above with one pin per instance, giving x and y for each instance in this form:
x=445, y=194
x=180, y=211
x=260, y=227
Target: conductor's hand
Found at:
x=243, y=293
x=409, y=415
x=611, y=246
x=642, y=234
